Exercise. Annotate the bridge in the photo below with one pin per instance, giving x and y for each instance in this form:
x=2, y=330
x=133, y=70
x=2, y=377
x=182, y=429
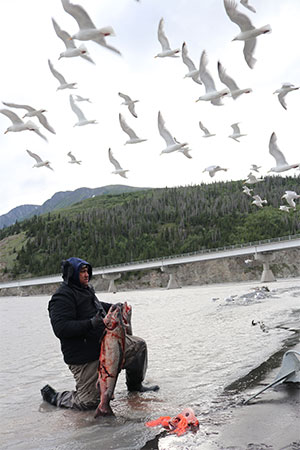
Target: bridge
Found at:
x=261, y=251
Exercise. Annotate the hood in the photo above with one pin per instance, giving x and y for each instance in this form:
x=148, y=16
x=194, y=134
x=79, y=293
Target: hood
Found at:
x=71, y=268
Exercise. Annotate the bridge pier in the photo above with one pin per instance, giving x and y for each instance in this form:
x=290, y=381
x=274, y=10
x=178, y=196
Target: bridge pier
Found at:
x=267, y=274
x=112, y=277
x=171, y=271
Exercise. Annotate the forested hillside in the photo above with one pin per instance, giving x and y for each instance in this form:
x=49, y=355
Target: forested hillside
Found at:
x=148, y=224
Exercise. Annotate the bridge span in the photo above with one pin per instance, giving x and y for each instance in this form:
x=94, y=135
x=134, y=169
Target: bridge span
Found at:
x=259, y=249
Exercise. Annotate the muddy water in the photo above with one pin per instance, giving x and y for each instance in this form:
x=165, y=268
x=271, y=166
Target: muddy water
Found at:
x=200, y=341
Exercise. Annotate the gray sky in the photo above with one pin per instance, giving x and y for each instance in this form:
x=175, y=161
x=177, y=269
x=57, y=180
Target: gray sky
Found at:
x=29, y=40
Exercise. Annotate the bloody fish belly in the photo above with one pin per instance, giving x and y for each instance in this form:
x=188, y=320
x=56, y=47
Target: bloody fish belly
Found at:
x=111, y=358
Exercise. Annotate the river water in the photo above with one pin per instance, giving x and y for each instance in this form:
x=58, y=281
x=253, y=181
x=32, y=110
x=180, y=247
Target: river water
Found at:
x=200, y=342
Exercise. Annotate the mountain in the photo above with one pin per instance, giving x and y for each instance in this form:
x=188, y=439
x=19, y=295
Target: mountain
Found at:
x=62, y=200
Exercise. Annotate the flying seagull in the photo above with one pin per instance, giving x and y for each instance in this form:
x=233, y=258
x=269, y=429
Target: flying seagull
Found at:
x=19, y=125
x=248, y=32
x=283, y=91
x=166, y=49
x=211, y=93
x=62, y=81
x=172, y=144
x=82, y=99
x=290, y=197
x=118, y=169
x=247, y=191
x=39, y=161
x=71, y=49
x=134, y=139
x=258, y=201
x=235, y=91
x=281, y=163
x=205, y=130
x=236, y=132
x=252, y=179
x=73, y=159
x=32, y=112
x=87, y=30
x=212, y=170
x=129, y=102
x=193, y=73
x=82, y=120
x=255, y=167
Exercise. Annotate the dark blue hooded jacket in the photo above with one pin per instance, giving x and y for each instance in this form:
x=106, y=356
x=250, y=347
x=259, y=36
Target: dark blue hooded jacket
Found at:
x=70, y=309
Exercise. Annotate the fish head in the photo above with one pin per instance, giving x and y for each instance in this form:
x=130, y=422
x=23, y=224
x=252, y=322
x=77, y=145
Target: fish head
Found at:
x=114, y=317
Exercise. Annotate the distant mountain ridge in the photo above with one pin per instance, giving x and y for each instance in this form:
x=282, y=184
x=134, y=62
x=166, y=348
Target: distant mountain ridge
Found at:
x=60, y=200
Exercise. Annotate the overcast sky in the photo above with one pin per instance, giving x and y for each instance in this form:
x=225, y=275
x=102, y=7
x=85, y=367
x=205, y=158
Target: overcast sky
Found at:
x=28, y=40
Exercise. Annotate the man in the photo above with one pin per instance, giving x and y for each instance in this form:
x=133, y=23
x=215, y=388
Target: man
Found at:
x=76, y=317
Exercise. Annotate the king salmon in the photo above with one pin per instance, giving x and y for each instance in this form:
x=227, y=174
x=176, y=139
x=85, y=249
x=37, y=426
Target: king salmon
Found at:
x=112, y=354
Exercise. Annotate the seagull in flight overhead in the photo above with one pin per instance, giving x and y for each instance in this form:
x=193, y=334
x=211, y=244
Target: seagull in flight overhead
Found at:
x=284, y=208
x=39, y=161
x=212, y=170
x=252, y=179
x=236, y=132
x=172, y=144
x=283, y=91
x=290, y=197
x=119, y=170
x=255, y=167
x=205, y=130
x=258, y=201
x=32, y=112
x=73, y=159
x=247, y=191
x=281, y=163
x=19, y=125
x=248, y=32
x=211, y=95
x=235, y=91
x=246, y=4
x=129, y=102
x=87, y=30
x=62, y=81
x=134, y=139
x=71, y=49
x=193, y=73
x=166, y=49
x=82, y=120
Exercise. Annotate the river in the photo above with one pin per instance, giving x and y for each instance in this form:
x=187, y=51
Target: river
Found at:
x=200, y=341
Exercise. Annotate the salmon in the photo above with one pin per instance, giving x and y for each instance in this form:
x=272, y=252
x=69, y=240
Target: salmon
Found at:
x=112, y=355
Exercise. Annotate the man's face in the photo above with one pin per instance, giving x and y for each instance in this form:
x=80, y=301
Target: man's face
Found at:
x=84, y=276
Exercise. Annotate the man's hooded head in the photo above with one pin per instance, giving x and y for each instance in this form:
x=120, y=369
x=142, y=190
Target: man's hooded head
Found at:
x=71, y=269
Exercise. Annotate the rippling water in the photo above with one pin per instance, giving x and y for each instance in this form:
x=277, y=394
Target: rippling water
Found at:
x=200, y=341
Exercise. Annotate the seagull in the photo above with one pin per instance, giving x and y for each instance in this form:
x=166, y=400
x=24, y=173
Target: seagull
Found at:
x=213, y=169
x=235, y=91
x=129, y=102
x=247, y=191
x=211, y=94
x=87, y=30
x=134, y=139
x=205, y=130
x=258, y=201
x=281, y=163
x=119, y=170
x=255, y=167
x=252, y=179
x=290, y=197
x=236, y=132
x=193, y=72
x=166, y=49
x=246, y=4
x=39, y=161
x=172, y=144
x=32, y=112
x=82, y=99
x=82, y=120
x=284, y=208
x=73, y=159
x=285, y=89
x=19, y=125
x=60, y=78
x=248, y=32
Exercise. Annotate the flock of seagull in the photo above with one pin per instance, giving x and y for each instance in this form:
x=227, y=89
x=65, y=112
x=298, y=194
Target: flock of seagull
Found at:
x=89, y=32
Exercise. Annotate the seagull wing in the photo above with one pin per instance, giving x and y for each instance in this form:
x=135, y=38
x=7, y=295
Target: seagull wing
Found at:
x=236, y=128
x=162, y=37
x=236, y=16
x=63, y=35
x=246, y=4
x=12, y=116
x=165, y=134
x=203, y=128
x=131, y=108
x=71, y=156
x=248, y=51
x=281, y=98
x=35, y=156
x=15, y=105
x=113, y=160
x=205, y=76
x=43, y=121
x=226, y=79
x=186, y=59
x=275, y=152
x=125, y=97
x=126, y=128
x=79, y=14
x=56, y=74
x=75, y=109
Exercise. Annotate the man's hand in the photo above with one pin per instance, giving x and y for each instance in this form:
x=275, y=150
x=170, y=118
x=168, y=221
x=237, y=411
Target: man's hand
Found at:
x=96, y=320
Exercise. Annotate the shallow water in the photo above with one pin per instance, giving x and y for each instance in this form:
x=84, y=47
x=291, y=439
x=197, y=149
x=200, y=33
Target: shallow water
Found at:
x=200, y=341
